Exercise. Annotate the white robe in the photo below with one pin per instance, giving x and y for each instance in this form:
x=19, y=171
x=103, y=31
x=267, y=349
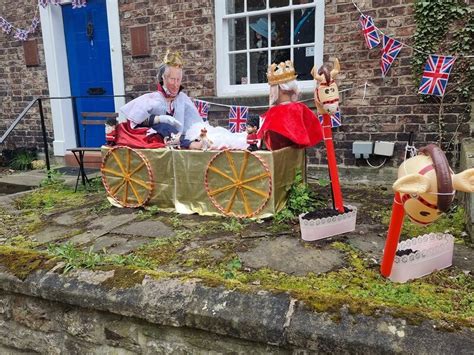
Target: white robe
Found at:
x=154, y=103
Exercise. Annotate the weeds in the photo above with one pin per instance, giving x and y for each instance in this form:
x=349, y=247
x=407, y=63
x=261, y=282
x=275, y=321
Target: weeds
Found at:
x=75, y=258
x=22, y=160
x=233, y=226
x=232, y=267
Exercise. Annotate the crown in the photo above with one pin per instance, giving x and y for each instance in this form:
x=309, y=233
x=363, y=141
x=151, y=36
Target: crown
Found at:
x=173, y=59
x=281, y=73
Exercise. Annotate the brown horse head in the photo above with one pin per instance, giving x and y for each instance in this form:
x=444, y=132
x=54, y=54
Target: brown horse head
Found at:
x=326, y=94
x=427, y=184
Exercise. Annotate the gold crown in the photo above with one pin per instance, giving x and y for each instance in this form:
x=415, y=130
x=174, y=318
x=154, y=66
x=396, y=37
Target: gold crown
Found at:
x=281, y=73
x=173, y=59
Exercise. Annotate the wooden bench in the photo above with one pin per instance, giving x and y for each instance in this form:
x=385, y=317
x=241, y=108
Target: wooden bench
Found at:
x=88, y=119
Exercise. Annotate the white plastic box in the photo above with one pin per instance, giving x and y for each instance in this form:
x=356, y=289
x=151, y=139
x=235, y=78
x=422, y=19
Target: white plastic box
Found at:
x=431, y=252
x=314, y=229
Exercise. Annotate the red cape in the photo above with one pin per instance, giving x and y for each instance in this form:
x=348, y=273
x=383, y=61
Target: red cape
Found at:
x=291, y=124
x=136, y=137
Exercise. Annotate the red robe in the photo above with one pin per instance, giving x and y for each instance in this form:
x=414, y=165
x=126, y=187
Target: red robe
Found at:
x=292, y=124
x=136, y=137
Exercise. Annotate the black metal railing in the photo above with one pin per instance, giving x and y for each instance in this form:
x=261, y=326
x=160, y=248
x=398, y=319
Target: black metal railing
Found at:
x=40, y=100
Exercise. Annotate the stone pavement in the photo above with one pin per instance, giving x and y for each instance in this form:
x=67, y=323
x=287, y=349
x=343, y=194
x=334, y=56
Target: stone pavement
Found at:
x=205, y=242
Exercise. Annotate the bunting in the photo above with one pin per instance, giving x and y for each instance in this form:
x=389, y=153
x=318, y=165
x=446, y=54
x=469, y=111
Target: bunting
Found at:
x=436, y=74
x=390, y=50
x=437, y=68
x=370, y=32
x=22, y=34
x=238, y=118
x=203, y=108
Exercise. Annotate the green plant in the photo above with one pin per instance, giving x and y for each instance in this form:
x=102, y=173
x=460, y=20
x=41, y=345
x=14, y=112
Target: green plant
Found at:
x=300, y=200
x=234, y=226
x=232, y=267
x=22, y=160
x=54, y=178
x=75, y=258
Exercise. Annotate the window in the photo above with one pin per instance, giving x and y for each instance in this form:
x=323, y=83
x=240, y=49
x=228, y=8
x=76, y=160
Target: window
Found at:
x=251, y=34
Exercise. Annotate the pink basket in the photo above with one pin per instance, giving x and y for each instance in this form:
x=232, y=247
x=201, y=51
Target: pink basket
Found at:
x=431, y=252
x=314, y=229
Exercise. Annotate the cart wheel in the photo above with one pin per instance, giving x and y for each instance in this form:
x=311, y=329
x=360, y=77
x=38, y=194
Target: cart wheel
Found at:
x=238, y=183
x=127, y=176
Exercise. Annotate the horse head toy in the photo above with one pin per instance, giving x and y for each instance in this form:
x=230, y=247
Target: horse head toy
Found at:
x=326, y=99
x=326, y=94
x=423, y=191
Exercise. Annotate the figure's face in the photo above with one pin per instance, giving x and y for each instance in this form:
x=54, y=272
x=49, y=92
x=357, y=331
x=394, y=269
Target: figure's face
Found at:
x=421, y=209
x=251, y=129
x=172, y=80
x=328, y=96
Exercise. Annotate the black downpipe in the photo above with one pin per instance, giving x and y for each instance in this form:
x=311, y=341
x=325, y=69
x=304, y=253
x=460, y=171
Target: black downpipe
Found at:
x=45, y=138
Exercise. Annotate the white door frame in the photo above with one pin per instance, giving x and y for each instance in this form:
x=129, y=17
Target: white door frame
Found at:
x=58, y=74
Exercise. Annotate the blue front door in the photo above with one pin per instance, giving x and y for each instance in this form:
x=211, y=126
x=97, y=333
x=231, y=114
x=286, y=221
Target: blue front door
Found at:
x=90, y=74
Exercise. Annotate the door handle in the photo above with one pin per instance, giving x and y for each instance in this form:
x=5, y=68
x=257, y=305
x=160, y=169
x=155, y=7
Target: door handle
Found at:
x=96, y=91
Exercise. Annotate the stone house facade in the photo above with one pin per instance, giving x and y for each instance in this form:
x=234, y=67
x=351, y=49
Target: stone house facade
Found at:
x=388, y=109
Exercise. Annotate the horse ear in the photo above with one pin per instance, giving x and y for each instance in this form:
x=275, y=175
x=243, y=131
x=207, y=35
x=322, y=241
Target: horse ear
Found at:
x=464, y=181
x=316, y=76
x=336, y=68
x=412, y=184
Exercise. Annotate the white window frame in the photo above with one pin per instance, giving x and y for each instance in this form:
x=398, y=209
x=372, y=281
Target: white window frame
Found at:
x=223, y=86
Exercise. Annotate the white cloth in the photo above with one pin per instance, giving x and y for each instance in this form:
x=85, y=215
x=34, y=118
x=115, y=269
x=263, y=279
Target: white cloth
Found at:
x=154, y=103
x=221, y=138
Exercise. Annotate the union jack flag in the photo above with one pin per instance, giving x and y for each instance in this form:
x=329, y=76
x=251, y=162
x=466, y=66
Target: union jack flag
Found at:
x=371, y=35
x=335, y=119
x=203, y=108
x=390, y=50
x=436, y=75
x=238, y=118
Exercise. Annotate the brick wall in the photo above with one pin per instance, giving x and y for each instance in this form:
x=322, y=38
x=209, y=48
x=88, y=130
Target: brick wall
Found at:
x=391, y=108
x=20, y=84
x=187, y=26
x=390, y=111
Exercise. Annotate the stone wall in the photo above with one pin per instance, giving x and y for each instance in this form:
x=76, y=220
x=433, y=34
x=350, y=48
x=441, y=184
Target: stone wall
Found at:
x=34, y=325
x=390, y=110
x=78, y=313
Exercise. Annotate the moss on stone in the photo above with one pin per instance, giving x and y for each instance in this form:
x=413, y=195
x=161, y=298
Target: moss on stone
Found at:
x=22, y=262
x=50, y=197
x=124, y=277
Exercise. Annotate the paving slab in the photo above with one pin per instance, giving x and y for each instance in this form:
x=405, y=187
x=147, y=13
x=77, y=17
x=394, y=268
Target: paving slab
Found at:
x=72, y=217
x=288, y=254
x=106, y=242
x=52, y=233
x=130, y=245
x=101, y=226
x=152, y=229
